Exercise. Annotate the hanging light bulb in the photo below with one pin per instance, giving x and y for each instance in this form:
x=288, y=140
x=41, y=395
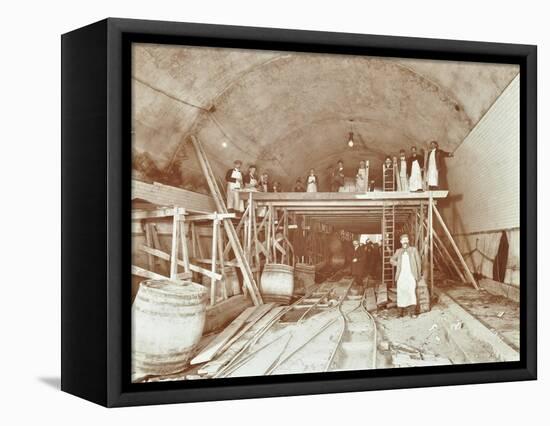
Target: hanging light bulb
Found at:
x=224, y=144
x=350, y=141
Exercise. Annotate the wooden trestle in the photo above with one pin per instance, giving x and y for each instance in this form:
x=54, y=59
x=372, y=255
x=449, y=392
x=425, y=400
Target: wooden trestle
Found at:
x=412, y=212
x=262, y=232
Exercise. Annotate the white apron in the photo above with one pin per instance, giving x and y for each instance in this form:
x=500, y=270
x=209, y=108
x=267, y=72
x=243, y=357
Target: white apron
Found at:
x=403, y=176
x=406, y=284
x=360, y=182
x=415, y=181
x=233, y=201
x=311, y=184
x=433, y=174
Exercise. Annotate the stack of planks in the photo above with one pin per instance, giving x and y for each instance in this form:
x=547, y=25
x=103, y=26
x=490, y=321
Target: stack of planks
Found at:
x=236, y=337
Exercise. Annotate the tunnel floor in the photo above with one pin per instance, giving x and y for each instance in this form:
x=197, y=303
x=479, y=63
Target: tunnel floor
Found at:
x=454, y=331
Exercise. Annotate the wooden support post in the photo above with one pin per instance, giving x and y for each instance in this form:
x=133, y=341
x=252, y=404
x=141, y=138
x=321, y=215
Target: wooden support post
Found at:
x=268, y=233
x=193, y=240
x=367, y=182
x=457, y=251
x=431, y=242
x=222, y=264
x=249, y=234
x=416, y=228
x=149, y=240
x=445, y=252
x=174, y=255
x=184, y=248
x=215, y=226
x=422, y=218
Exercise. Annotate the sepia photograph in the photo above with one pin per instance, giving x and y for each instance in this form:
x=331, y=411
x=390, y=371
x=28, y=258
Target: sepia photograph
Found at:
x=298, y=212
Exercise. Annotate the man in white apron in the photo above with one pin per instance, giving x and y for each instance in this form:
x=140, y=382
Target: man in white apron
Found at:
x=414, y=170
x=234, y=179
x=435, y=161
x=408, y=272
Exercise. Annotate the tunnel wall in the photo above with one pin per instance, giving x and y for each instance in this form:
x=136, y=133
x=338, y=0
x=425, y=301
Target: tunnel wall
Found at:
x=483, y=180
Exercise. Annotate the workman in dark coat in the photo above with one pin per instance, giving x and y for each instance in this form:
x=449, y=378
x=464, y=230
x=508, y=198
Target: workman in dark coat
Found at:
x=358, y=263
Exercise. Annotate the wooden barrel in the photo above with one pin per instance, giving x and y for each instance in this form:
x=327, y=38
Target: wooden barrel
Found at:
x=304, y=278
x=167, y=323
x=231, y=284
x=277, y=283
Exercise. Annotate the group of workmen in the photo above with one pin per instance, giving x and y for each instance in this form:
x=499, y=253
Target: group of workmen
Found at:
x=414, y=172
x=365, y=261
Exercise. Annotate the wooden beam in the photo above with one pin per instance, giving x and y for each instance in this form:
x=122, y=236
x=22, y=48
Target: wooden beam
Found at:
x=445, y=253
x=456, y=249
x=156, y=213
x=166, y=195
x=341, y=196
x=212, y=216
x=165, y=256
x=144, y=273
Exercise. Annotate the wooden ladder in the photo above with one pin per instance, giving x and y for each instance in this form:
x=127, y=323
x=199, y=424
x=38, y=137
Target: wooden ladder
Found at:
x=388, y=228
x=232, y=235
x=388, y=249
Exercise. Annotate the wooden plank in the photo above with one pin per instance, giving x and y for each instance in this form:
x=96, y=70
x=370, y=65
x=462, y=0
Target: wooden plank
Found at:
x=156, y=213
x=213, y=283
x=166, y=195
x=341, y=196
x=258, y=313
x=228, y=355
x=165, y=256
x=197, y=217
x=221, y=339
x=209, y=261
x=144, y=273
x=456, y=249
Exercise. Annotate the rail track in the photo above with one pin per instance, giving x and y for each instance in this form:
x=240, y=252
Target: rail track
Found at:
x=332, y=330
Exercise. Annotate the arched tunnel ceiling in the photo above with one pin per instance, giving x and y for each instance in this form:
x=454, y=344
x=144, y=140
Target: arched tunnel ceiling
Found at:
x=287, y=112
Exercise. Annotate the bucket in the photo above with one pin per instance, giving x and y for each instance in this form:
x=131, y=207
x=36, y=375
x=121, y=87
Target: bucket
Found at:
x=167, y=323
x=277, y=283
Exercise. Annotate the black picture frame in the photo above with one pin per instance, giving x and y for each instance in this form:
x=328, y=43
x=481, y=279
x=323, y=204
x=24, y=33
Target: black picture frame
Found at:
x=96, y=165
